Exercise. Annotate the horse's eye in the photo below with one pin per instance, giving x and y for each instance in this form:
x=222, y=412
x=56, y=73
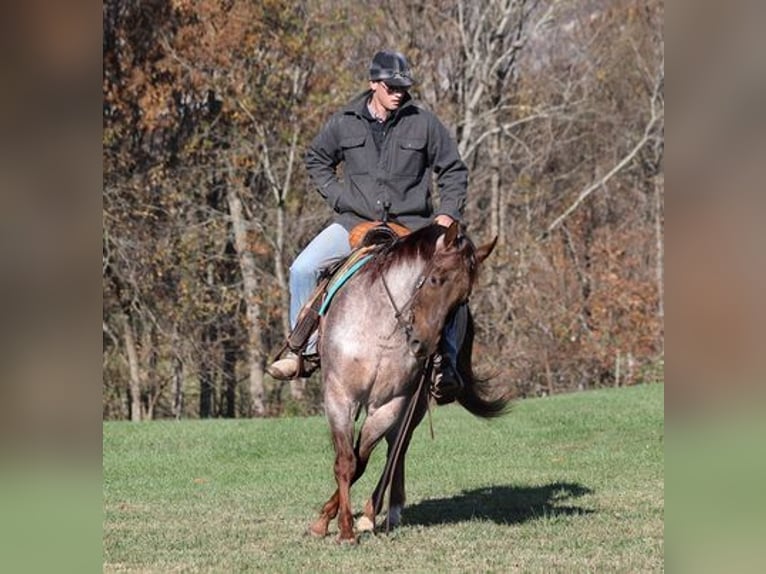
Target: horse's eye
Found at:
x=435, y=281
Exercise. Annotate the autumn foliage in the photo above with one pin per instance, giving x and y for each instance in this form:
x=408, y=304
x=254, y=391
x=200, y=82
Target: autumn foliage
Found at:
x=208, y=106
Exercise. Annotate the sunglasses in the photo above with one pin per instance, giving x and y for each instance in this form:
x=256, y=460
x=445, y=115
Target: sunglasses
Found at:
x=393, y=89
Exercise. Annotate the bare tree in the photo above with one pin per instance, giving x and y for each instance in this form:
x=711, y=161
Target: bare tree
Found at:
x=558, y=110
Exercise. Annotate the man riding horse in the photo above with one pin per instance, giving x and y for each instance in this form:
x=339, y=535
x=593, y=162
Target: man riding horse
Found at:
x=389, y=147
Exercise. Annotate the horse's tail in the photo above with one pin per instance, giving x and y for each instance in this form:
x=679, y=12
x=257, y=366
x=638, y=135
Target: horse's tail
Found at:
x=479, y=396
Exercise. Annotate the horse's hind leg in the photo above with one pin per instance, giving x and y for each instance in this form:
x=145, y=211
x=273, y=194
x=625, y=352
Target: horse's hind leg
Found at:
x=397, y=496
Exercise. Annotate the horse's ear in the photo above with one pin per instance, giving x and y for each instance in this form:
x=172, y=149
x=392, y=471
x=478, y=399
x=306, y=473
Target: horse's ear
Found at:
x=448, y=239
x=483, y=252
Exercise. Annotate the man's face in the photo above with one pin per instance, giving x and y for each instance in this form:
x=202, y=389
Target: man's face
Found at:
x=390, y=97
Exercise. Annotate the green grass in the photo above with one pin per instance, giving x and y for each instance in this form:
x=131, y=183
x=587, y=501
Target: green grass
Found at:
x=572, y=483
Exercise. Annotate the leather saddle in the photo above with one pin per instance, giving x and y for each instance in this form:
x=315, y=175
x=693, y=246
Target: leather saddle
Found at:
x=365, y=239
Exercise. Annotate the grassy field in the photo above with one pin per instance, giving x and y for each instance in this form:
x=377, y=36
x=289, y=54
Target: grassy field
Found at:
x=572, y=483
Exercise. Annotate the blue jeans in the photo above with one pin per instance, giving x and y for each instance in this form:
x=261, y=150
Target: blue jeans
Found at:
x=332, y=243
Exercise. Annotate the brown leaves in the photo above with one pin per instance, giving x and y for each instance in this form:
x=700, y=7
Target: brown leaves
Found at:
x=200, y=95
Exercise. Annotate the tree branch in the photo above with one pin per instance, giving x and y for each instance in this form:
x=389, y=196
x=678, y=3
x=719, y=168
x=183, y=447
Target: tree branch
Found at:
x=655, y=116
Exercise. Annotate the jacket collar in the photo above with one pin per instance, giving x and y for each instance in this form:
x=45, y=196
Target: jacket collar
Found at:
x=359, y=103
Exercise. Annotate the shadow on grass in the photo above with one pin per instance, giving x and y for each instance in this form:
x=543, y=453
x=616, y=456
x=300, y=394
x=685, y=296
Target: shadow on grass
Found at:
x=500, y=504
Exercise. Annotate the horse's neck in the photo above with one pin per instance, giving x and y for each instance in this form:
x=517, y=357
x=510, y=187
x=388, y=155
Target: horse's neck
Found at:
x=402, y=279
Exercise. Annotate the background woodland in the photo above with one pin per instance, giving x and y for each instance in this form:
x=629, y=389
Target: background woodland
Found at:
x=557, y=107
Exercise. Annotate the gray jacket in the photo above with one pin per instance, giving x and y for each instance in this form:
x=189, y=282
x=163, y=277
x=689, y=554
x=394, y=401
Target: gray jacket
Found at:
x=416, y=144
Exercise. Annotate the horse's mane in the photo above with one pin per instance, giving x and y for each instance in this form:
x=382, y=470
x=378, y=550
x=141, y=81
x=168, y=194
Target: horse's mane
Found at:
x=418, y=245
x=415, y=245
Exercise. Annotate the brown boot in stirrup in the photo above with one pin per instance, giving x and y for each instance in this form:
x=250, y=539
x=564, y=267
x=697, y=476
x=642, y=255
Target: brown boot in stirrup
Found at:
x=445, y=383
x=289, y=367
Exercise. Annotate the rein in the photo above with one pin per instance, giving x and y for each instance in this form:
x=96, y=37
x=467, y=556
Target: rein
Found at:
x=396, y=451
x=419, y=394
x=406, y=326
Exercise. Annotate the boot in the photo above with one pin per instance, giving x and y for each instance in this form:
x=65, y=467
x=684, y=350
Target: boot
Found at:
x=288, y=367
x=445, y=382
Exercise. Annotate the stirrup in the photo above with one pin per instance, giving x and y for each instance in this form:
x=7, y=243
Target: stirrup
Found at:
x=307, y=364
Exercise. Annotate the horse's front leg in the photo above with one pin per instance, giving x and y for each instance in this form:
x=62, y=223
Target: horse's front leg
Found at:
x=340, y=501
x=330, y=508
x=329, y=511
x=397, y=496
x=345, y=463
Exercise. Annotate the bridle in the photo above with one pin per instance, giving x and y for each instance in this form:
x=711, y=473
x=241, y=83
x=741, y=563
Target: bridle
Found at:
x=406, y=325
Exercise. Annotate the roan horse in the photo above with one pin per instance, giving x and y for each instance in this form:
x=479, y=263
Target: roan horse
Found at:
x=375, y=342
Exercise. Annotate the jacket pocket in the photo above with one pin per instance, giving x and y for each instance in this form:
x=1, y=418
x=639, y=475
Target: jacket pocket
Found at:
x=410, y=157
x=355, y=200
x=354, y=154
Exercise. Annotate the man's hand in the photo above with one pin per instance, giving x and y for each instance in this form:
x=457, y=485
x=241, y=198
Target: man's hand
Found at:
x=444, y=220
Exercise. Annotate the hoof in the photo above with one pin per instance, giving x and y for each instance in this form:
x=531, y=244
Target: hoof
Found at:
x=345, y=540
x=364, y=524
x=317, y=530
x=394, y=517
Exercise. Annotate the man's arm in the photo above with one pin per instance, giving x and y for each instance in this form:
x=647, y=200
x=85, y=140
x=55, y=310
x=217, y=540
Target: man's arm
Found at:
x=451, y=174
x=322, y=157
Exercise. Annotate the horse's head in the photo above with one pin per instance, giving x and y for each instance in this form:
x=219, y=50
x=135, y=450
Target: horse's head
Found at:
x=446, y=282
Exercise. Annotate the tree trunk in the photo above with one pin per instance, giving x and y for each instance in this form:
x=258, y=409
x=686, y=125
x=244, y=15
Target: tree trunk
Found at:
x=280, y=269
x=247, y=265
x=151, y=384
x=178, y=393
x=134, y=382
x=297, y=389
x=229, y=378
x=207, y=376
x=206, y=394
x=659, y=184
x=497, y=204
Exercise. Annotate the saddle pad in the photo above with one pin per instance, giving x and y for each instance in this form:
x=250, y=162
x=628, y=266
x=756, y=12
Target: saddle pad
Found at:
x=353, y=264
